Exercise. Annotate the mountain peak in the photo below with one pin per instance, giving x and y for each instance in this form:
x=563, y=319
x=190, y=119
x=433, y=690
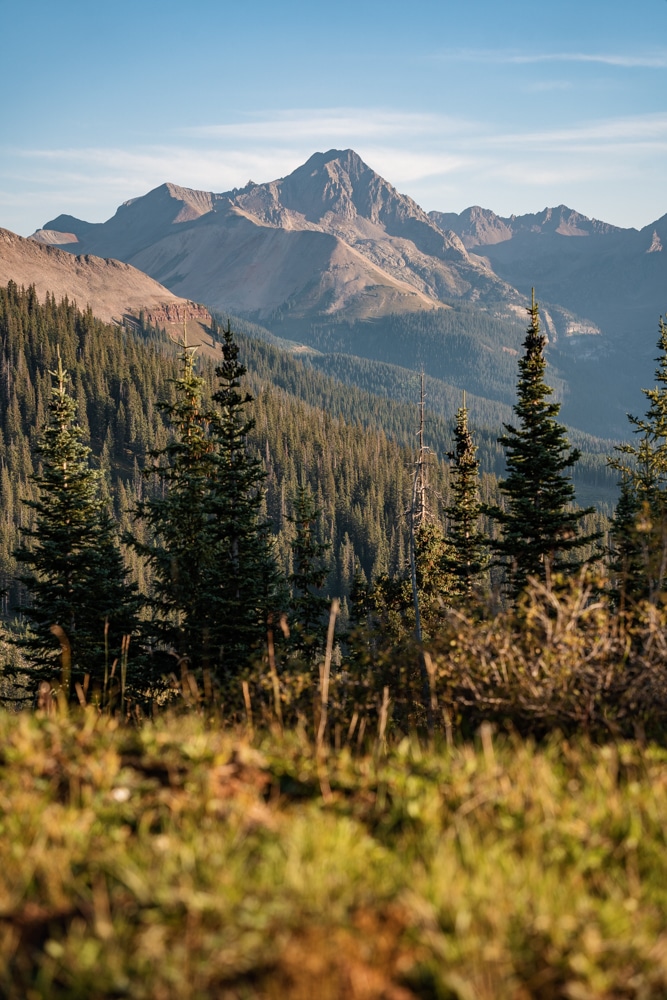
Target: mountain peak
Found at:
x=189, y=203
x=481, y=227
x=560, y=219
x=476, y=226
x=347, y=159
x=337, y=181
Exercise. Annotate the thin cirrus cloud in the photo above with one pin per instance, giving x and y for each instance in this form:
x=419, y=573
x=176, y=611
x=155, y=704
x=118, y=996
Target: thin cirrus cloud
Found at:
x=658, y=61
x=267, y=146
x=629, y=132
x=312, y=124
x=133, y=171
x=264, y=149
x=648, y=60
x=434, y=131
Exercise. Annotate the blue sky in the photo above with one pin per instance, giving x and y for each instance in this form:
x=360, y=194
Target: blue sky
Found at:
x=512, y=105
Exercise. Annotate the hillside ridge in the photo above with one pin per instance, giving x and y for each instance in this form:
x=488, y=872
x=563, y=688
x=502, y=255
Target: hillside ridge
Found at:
x=114, y=290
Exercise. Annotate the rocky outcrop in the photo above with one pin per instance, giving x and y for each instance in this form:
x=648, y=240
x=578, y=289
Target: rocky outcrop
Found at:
x=656, y=243
x=178, y=312
x=49, y=237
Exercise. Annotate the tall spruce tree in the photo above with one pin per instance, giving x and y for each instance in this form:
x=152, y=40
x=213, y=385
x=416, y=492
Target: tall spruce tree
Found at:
x=215, y=580
x=469, y=546
x=251, y=588
x=177, y=521
x=540, y=526
x=81, y=600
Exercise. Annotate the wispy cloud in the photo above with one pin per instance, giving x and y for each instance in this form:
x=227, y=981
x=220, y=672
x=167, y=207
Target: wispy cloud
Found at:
x=313, y=124
x=643, y=60
x=658, y=61
x=220, y=156
x=129, y=172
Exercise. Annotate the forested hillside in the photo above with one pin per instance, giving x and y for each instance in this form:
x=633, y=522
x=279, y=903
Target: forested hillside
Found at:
x=323, y=420
x=473, y=348
x=359, y=474
x=383, y=396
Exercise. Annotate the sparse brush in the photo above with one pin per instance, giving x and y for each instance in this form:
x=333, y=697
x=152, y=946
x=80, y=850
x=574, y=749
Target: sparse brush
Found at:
x=561, y=661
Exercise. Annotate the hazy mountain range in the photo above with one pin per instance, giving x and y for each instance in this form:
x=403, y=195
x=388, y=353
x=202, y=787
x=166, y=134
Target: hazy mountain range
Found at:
x=331, y=237
x=334, y=247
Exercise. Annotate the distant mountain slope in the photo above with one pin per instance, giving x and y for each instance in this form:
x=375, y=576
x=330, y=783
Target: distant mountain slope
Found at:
x=114, y=290
x=480, y=227
x=331, y=237
x=592, y=278
x=616, y=278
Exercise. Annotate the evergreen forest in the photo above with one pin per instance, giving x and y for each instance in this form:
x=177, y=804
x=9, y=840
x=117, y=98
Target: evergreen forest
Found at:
x=332, y=485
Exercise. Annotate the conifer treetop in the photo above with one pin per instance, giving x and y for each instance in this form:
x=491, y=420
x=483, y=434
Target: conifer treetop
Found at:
x=539, y=522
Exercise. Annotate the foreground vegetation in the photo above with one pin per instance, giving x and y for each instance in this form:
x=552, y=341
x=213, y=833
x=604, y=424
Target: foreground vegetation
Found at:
x=183, y=859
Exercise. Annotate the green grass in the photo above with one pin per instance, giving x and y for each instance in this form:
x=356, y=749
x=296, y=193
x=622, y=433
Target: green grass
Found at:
x=180, y=859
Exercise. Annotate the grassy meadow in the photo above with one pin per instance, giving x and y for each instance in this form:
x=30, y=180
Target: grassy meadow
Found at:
x=181, y=858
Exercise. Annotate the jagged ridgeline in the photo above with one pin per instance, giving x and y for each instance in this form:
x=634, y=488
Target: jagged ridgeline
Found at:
x=325, y=420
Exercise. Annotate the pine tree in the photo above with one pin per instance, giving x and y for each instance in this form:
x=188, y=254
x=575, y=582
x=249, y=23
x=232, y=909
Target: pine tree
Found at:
x=309, y=607
x=630, y=548
x=435, y=583
x=251, y=588
x=75, y=573
x=539, y=523
x=469, y=546
x=639, y=528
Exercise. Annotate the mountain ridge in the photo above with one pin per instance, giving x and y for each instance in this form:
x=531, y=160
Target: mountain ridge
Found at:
x=477, y=226
x=333, y=242
x=410, y=263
